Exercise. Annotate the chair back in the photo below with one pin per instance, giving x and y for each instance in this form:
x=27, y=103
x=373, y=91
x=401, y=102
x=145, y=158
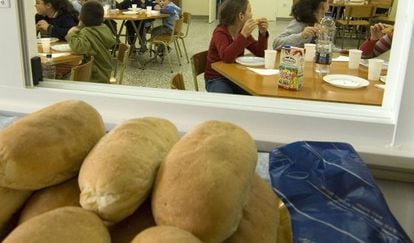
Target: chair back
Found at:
x=187, y=22
x=177, y=82
x=178, y=27
x=198, y=65
x=82, y=72
x=120, y=63
x=359, y=12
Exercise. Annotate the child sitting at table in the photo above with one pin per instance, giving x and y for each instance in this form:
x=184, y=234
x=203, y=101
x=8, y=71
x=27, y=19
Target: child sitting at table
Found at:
x=301, y=29
x=379, y=42
x=230, y=38
x=166, y=7
x=55, y=17
x=93, y=38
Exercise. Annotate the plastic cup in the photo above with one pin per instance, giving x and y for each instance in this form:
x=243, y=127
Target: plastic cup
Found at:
x=134, y=6
x=149, y=8
x=45, y=45
x=374, y=69
x=310, y=50
x=270, y=58
x=354, y=58
x=106, y=7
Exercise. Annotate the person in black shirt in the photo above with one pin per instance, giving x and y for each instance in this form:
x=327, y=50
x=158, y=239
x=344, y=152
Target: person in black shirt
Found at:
x=55, y=17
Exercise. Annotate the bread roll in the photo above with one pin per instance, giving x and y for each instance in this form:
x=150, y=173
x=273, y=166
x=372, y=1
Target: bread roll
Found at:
x=48, y=146
x=63, y=225
x=127, y=229
x=261, y=217
x=203, y=184
x=10, y=202
x=65, y=194
x=284, y=232
x=164, y=234
x=127, y=160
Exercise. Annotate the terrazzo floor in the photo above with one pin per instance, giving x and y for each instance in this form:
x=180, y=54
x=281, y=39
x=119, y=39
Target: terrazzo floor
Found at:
x=158, y=75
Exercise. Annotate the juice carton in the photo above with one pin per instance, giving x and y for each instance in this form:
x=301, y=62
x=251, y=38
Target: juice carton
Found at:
x=291, y=68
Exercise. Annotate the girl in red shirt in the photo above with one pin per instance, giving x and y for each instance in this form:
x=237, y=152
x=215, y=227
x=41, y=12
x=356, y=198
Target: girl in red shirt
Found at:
x=229, y=40
x=379, y=42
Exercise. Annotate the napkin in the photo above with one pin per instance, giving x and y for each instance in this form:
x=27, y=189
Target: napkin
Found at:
x=54, y=55
x=262, y=71
x=341, y=59
x=381, y=86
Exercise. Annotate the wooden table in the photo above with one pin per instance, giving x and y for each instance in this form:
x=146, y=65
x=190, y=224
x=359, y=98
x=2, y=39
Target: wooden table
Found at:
x=70, y=58
x=63, y=64
x=314, y=87
x=140, y=16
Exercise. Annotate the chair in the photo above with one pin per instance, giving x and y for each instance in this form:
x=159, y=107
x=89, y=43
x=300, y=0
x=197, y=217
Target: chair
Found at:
x=355, y=17
x=198, y=65
x=166, y=40
x=83, y=71
x=120, y=64
x=382, y=7
x=182, y=36
x=177, y=82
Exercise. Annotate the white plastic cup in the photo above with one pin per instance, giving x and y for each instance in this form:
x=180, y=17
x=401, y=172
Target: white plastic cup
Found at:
x=270, y=58
x=134, y=6
x=45, y=45
x=106, y=7
x=354, y=58
x=374, y=69
x=149, y=8
x=310, y=50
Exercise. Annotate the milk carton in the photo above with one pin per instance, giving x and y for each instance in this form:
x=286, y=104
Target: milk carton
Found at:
x=291, y=68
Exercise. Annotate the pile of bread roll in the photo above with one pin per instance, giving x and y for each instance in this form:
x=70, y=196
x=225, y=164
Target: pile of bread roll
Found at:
x=64, y=179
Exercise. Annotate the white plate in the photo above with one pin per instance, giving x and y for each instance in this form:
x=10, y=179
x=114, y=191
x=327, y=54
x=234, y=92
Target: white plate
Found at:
x=364, y=62
x=383, y=78
x=52, y=39
x=134, y=9
x=250, y=61
x=62, y=47
x=346, y=81
x=129, y=12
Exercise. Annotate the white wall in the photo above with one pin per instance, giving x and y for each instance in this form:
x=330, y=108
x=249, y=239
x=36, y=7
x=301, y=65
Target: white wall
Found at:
x=284, y=8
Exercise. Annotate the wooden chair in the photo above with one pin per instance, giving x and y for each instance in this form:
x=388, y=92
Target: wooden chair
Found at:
x=198, y=65
x=177, y=82
x=382, y=7
x=83, y=71
x=183, y=35
x=356, y=17
x=166, y=40
x=120, y=64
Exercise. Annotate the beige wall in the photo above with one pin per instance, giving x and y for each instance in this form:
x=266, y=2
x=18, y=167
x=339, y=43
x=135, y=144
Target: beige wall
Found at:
x=199, y=8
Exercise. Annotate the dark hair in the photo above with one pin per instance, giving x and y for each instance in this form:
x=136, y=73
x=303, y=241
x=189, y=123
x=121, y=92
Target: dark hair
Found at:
x=92, y=13
x=230, y=9
x=63, y=7
x=304, y=11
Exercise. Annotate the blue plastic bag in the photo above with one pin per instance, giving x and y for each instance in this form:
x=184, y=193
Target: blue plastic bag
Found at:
x=331, y=195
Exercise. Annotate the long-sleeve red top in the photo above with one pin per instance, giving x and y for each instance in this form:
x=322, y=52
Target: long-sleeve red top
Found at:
x=224, y=48
x=373, y=48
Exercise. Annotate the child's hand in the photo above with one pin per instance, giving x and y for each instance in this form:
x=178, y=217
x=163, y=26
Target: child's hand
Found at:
x=73, y=29
x=248, y=27
x=309, y=32
x=157, y=7
x=42, y=25
x=377, y=31
x=263, y=25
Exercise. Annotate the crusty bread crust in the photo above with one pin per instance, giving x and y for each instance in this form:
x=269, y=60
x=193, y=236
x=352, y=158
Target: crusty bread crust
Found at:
x=47, y=147
x=63, y=225
x=163, y=234
x=203, y=184
x=118, y=174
